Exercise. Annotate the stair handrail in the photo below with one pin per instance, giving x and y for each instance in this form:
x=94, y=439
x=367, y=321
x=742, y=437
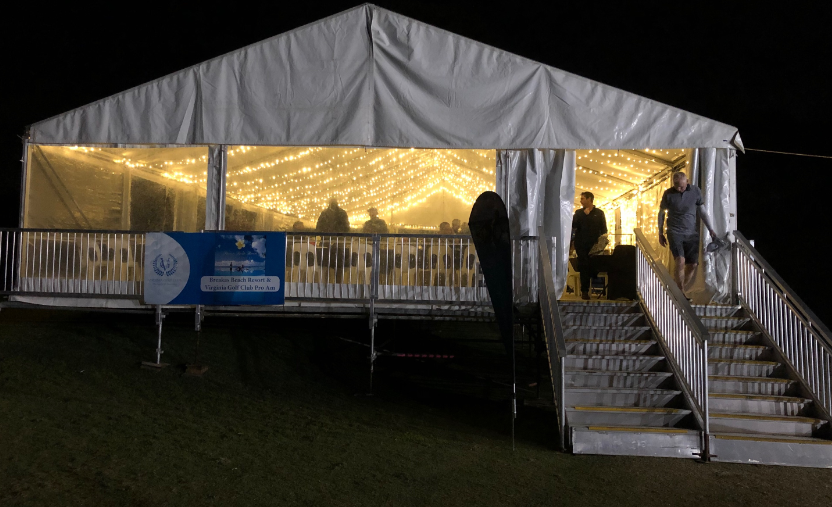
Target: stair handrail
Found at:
x=684, y=336
x=802, y=339
x=553, y=332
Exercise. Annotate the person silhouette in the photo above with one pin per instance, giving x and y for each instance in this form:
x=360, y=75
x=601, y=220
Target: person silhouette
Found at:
x=375, y=225
x=333, y=219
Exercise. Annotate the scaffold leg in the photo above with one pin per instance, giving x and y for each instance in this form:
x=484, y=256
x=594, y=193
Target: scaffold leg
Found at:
x=160, y=316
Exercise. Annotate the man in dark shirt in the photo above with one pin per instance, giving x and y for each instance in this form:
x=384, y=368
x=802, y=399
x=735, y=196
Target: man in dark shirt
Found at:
x=588, y=224
x=333, y=219
x=681, y=203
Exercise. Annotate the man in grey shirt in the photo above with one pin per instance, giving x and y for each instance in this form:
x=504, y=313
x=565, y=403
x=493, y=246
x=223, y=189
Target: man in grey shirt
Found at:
x=681, y=203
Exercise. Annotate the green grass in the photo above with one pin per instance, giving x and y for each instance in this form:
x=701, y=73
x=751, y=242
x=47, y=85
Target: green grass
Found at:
x=275, y=421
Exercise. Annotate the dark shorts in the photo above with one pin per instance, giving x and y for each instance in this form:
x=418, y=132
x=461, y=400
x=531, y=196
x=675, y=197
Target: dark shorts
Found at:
x=684, y=246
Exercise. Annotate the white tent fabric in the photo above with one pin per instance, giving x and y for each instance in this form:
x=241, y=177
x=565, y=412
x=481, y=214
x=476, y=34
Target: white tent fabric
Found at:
x=538, y=187
x=715, y=167
x=370, y=77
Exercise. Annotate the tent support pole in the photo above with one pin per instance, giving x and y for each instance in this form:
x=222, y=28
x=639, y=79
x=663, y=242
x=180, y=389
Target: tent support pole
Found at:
x=24, y=174
x=223, y=175
x=215, y=192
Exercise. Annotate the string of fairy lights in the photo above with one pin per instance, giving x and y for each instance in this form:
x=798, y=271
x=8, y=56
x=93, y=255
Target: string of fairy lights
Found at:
x=628, y=185
x=300, y=181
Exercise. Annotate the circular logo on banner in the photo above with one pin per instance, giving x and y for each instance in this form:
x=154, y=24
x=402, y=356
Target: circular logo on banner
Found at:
x=165, y=265
x=167, y=269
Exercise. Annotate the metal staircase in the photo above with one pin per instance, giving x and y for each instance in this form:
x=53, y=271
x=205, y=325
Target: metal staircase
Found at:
x=770, y=370
x=758, y=411
x=745, y=383
x=620, y=397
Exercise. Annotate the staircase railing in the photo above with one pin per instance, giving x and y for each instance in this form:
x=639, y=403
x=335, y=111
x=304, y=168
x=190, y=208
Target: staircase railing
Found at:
x=682, y=333
x=553, y=331
x=804, y=341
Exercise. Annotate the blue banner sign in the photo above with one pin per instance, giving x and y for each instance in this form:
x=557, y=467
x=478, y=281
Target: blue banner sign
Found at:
x=214, y=268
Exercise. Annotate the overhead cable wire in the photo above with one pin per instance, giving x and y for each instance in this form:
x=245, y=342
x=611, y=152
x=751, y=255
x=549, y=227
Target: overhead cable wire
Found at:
x=789, y=153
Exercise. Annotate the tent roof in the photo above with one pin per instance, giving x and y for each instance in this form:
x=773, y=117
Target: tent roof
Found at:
x=370, y=77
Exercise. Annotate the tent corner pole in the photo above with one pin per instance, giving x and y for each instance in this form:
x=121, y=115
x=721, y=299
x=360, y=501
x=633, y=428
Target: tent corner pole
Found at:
x=24, y=173
x=215, y=191
x=221, y=198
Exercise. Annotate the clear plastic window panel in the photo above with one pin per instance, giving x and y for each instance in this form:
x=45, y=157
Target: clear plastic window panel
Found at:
x=91, y=200
x=413, y=191
x=136, y=189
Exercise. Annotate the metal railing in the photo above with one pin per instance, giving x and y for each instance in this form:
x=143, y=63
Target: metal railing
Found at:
x=802, y=339
x=683, y=334
x=437, y=269
x=89, y=263
x=553, y=332
x=440, y=268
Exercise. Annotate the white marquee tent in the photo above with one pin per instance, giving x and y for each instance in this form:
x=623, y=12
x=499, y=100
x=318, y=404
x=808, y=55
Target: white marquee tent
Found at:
x=368, y=86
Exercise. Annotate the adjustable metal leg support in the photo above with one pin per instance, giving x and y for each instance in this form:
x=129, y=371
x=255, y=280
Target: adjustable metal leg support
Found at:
x=513, y=384
x=373, y=354
x=197, y=368
x=160, y=316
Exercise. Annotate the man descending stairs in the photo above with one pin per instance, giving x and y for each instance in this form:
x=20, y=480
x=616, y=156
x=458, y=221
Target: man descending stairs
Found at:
x=621, y=397
x=758, y=412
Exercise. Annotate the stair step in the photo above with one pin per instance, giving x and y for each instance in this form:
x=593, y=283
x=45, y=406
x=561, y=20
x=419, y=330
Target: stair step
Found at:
x=598, y=307
x=732, y=337
x=618, y=397
x=624, y=416
x=764, y=424
x=756, y=404
x=771, y=450
x=716, y=310
x=608, y=347
x=741, y=368
x=746, y=352
x=635, y=440
x=619, y=379
x=724, y=323
x=611, y=362
x=607, y=333
x=748, y=385
x=603, y=319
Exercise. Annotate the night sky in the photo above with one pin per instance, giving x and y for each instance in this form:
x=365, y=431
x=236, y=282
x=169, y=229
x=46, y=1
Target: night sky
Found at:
x=758, y=68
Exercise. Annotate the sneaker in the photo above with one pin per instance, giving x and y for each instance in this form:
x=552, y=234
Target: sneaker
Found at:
x=585, y=295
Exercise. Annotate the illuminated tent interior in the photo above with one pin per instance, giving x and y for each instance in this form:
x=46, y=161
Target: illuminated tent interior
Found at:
x=412, y=189
x=628, y=186
x=140, y=189
x=267, y=188
x=271, y=188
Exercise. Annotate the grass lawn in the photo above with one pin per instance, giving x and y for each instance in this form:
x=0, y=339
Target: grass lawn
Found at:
x=275, y=421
